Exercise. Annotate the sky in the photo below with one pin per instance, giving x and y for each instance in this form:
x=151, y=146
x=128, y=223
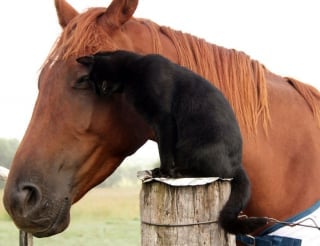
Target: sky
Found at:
x=281, y=34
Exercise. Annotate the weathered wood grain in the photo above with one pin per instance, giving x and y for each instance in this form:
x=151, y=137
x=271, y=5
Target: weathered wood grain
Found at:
x=167, y=212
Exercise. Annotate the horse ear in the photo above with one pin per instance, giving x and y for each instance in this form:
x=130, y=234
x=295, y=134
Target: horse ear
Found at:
x=65, y=12
x=120, y=11
x=86, y=60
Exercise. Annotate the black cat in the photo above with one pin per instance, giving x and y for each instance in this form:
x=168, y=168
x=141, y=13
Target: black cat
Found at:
x=195, y=127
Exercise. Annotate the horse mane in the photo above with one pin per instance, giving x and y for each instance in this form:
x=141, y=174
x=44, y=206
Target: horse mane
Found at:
x=310, y=94
x=241, y=79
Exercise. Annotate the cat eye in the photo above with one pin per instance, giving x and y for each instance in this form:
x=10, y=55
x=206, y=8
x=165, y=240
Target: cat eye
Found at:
x=104, y=87
x=83, y=83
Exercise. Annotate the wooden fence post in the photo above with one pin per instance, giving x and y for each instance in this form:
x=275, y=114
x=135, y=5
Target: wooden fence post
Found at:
x=183, y=215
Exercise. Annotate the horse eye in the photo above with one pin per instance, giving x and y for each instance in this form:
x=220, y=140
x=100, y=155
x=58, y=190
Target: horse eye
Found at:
x=83, y=83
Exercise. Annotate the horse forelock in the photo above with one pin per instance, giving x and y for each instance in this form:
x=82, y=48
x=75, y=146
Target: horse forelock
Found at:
x=82, y=36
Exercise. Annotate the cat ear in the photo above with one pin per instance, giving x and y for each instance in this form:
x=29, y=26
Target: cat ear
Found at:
x=86, y=60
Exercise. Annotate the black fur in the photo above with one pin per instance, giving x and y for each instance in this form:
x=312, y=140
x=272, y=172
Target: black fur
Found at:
x=195, y=127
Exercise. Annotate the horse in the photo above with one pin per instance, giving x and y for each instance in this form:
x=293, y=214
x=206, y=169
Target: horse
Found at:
x=70, y=147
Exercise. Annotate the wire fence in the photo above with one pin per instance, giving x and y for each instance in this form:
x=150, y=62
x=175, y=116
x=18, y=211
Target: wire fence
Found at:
x=25, y=239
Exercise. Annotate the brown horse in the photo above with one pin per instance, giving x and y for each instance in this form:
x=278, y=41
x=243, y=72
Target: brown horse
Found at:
x=70, y=146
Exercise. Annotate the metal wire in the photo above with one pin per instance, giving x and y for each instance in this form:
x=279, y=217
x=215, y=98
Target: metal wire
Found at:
x=25, y=239
x=180, y=225
x=270, y=220
x=292, y=224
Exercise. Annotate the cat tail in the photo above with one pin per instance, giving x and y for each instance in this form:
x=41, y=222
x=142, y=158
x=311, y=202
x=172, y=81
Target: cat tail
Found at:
x=239, y=196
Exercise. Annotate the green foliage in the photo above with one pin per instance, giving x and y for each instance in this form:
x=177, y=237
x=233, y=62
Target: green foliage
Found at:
x=8, y=148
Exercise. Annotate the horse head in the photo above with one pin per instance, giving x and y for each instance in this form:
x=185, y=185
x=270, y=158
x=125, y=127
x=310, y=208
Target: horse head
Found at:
x=75, y=138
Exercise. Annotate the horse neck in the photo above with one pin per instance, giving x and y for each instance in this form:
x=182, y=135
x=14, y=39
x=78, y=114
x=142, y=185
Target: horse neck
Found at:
x=241, y=79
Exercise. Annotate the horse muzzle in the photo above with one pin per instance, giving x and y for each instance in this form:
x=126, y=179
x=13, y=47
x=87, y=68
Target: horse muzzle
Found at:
x=34, y=212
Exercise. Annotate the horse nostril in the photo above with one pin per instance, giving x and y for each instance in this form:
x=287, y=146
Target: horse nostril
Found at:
x=31, y=194
x=22, y=200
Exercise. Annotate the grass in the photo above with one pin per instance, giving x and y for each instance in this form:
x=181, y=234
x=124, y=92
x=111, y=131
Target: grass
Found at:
x=105, y=216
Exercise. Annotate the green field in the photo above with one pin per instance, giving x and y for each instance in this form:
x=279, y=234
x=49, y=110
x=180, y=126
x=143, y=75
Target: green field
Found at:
x=105, y=216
